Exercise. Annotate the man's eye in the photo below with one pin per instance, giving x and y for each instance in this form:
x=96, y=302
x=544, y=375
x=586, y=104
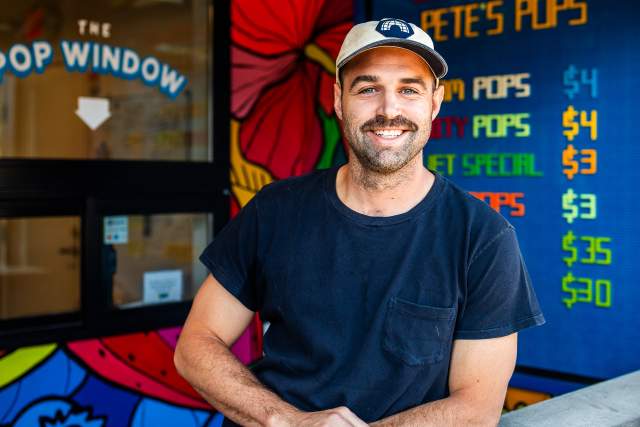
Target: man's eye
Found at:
x=367, y=90
x=409, y=91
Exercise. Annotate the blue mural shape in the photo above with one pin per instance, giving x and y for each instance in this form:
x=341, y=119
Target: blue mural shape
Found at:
x=56, y=376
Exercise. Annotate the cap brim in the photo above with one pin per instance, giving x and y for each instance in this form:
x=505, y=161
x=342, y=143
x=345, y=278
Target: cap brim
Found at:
x=436, y=62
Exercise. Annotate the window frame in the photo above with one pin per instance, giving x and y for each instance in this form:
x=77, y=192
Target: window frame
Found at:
x=91, y=189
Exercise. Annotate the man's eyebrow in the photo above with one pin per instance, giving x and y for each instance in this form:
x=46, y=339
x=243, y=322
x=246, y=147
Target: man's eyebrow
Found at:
x=414, y=80
x=363, y=78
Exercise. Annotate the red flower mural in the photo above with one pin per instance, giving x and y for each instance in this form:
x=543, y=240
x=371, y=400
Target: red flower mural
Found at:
x=283, y=57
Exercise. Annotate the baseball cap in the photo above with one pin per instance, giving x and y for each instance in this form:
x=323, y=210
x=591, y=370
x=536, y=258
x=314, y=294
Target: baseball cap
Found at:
x=391, y=32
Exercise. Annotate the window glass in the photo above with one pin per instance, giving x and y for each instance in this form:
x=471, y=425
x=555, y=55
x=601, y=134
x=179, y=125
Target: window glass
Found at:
x=39, y=266
x=105, y=79
x=152, y=259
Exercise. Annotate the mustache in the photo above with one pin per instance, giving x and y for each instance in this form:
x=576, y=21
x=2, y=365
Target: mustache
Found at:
x=382, y=122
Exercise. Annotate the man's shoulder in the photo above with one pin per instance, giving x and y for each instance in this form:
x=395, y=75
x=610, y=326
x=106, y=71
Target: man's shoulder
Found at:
x=478, y=209
x=481, y=220
x=291, y=189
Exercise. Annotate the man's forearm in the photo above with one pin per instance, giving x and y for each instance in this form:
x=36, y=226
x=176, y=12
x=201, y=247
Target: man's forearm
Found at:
x=208, y=365
x=455, y=410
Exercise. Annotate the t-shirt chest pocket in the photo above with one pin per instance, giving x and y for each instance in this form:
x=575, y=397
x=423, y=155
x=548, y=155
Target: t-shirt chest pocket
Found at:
x=417, y=334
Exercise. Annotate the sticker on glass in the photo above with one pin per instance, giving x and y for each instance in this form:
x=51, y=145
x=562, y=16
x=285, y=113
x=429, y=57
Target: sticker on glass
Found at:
x=162, y=286
x=116, y=230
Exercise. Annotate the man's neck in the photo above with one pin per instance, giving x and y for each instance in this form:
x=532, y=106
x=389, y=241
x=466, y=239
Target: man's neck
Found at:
x=374, y=194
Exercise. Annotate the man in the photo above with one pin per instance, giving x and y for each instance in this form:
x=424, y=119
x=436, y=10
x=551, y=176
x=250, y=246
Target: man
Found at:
x=393, y=296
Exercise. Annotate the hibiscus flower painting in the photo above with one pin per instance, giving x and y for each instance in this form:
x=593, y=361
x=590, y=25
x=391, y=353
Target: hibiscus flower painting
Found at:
x=282, y=73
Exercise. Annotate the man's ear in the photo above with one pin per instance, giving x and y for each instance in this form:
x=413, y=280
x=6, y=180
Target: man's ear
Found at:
x=337, y=100
x=436, y=101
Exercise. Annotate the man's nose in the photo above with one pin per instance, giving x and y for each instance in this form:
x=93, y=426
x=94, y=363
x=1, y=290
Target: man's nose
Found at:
x=389, y=105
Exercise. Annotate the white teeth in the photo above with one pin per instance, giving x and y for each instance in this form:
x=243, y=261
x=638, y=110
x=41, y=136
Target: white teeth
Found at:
x=388, y=133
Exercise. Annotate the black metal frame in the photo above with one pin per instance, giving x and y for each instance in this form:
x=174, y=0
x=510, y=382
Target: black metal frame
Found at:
x=91, y=189
x=558, y=376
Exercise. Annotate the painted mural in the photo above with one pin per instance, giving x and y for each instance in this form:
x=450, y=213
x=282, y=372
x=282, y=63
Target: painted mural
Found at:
x=283, y=70
x=282, y=125
x=124, y=380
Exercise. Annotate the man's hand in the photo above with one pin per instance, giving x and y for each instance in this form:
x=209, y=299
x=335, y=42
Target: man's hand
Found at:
x=336, y=417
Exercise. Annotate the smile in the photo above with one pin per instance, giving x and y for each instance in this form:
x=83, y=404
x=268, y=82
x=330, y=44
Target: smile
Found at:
x=388, y=133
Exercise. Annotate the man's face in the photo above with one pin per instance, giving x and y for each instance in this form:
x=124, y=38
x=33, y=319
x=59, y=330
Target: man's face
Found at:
x=387, y=103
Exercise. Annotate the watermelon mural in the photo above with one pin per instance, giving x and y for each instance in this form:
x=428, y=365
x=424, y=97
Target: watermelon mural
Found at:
x=283, y=124
x=126, y=380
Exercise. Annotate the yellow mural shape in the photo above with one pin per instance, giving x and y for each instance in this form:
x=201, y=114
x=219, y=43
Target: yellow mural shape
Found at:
x=519, y=398
x=21, y=361
x=313, y=52
x=246, y=177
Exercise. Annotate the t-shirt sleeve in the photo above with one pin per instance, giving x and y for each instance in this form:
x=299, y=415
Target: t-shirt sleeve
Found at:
x=232, y=256
x=500, y=299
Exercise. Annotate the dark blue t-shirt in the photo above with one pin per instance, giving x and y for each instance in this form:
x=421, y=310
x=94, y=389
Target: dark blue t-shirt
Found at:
x=363, y=310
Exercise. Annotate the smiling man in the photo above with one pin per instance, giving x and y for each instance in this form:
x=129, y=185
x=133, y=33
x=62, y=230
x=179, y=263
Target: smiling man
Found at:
x=394, y=297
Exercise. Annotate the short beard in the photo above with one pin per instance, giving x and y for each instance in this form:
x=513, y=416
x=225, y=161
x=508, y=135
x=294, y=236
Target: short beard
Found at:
x=386, y=161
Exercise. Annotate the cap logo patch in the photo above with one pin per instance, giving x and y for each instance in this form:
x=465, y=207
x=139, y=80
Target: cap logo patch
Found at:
x=397, y=28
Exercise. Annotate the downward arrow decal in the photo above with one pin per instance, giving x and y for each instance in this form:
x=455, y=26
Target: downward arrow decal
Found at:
x=93, y=111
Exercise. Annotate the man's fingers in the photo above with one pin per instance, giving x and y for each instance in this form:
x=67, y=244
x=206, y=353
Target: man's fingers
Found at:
x=336, y=417
x=350, y=417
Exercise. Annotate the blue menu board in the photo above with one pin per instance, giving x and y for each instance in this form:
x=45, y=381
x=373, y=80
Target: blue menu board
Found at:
x=541, y=120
